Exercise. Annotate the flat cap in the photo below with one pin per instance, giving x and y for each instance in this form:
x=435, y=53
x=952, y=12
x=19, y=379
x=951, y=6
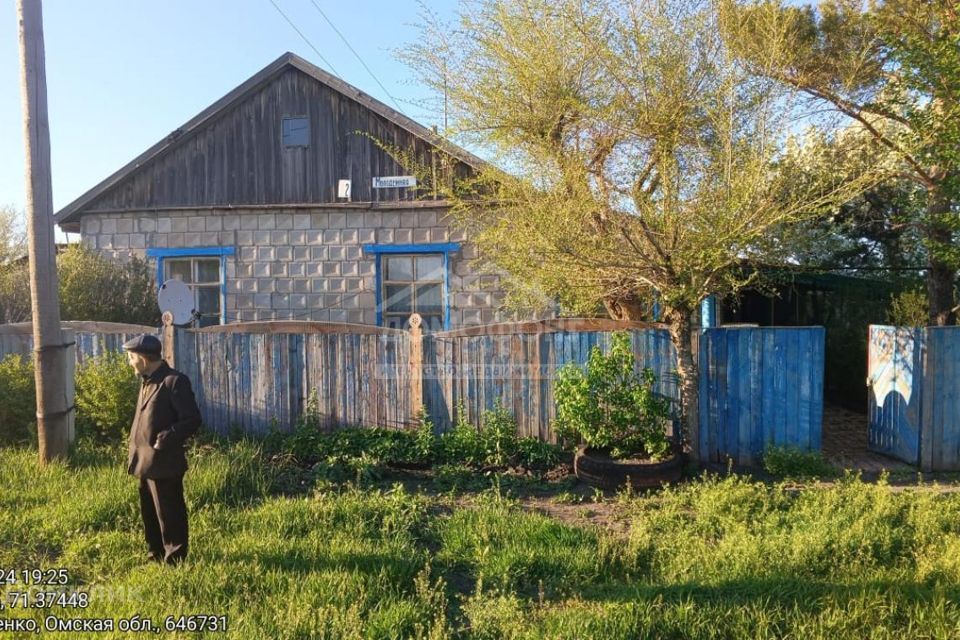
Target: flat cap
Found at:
x=144, y=343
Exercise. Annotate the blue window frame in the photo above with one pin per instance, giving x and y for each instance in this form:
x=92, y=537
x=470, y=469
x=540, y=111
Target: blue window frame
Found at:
x=380, y=251
x=186, y=253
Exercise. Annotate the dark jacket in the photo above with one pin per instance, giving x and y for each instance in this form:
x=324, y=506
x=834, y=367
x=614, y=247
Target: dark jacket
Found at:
x=167, y=415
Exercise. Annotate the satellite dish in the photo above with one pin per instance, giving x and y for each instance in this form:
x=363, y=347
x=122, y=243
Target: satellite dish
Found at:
x=177, y=298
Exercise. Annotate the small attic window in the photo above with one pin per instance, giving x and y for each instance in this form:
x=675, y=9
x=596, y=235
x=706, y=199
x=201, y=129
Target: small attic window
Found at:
x=295, y=131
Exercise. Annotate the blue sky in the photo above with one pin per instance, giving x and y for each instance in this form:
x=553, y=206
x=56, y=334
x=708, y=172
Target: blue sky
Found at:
x=122, y=74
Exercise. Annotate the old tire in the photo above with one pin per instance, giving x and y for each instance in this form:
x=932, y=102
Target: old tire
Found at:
x=600, y=470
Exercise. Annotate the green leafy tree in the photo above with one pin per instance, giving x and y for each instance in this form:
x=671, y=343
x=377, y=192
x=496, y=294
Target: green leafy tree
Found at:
x=14, y=284
x=94, y=287
x=640, y=155
x=876, y=231
x=892, y=68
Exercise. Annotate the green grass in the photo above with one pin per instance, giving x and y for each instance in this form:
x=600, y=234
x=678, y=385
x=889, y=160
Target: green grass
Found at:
x=713, y=558
x=791, y=462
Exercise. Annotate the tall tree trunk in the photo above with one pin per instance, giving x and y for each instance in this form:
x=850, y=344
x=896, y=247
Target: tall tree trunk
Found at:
x=940, y=274
x=680, y=324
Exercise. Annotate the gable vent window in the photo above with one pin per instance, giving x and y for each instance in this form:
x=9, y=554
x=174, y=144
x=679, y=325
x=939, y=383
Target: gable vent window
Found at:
x=295, y=131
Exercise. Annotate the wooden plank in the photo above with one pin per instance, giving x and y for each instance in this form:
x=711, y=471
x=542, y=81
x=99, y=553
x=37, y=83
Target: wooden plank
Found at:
x=26, y=328
x=707, y=403
x=947, y=449
x=743, y=427
x=767, y=398
x=758, y=424
x=300, y=327
x=816, y=401
x=552, y=325
x=792, y=399
x=723, y=392
x=805, y=365
x=931, y=385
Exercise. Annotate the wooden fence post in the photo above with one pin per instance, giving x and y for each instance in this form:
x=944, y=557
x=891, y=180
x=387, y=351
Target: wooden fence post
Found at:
x=167, y=338
x=416, y=364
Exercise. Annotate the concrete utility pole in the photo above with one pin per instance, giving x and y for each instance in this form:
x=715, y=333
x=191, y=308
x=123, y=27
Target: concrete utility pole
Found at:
x=49, y=349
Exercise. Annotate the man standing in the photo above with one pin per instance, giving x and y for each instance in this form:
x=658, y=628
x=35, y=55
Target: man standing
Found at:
x=166, y=416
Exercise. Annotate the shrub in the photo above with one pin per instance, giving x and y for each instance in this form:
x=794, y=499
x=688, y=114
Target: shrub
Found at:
x=107, y=391
x=611, y=406
x=793, y=462
x=909, y=309
x=18, y=400
x=462, y=443
x=93, y=287
x=495, y=443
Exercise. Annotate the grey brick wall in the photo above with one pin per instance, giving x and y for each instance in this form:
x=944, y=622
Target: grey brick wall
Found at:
x=304, y=264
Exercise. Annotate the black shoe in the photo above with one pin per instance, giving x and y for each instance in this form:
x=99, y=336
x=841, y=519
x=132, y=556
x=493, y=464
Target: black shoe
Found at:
x=155, y=557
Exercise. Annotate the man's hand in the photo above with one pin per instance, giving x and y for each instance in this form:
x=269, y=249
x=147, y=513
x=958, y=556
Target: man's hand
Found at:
x=164, y=439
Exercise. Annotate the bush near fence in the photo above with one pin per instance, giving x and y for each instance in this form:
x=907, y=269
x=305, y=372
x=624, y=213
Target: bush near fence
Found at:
x=18, y=400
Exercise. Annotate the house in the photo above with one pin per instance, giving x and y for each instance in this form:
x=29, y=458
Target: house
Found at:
x=246, y=204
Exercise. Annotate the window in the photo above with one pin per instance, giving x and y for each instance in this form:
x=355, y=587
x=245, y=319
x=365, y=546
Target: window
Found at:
x=295, y=131
x=413, y=283
x=202, y=275
x=203, y=269
x=413, y=278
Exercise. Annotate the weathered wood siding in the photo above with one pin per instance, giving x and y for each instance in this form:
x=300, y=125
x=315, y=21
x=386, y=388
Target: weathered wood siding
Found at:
x=92, y=338
x=517, y=364
x=362, y=375
x=238, y=158
x=255, y=381
x=760, y=387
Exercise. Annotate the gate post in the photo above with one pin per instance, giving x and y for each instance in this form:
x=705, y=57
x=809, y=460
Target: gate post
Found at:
x=416, y=365
x=167, y=339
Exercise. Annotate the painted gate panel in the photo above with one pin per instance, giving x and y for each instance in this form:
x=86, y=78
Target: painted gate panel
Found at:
x=895, y=379
x=940, y=423
x=760, y=387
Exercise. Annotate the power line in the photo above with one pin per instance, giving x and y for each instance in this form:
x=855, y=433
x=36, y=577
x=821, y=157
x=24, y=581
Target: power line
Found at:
x=300, y=33
x=352, y=50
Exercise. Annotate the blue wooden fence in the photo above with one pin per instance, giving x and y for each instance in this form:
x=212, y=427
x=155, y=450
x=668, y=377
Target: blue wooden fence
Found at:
x=914, y=380
x=255, y=376
x=517, y=363
x=92, y=338
x=940, y=423
x=760, y=387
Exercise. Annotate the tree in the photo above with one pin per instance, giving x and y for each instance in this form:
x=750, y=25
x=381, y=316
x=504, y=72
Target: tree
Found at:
x=893, y=69
x=93, y=287
x=874, y=233
x=14, y=285
x=641, y=155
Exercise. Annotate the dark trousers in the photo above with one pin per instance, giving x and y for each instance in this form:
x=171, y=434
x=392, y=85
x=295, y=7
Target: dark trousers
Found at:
x=164, y=517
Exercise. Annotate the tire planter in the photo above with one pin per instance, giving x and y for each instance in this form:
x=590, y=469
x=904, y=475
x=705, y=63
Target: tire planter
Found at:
x=598, y=469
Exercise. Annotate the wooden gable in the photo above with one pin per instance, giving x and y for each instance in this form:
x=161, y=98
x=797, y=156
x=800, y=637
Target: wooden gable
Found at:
x=234, y=152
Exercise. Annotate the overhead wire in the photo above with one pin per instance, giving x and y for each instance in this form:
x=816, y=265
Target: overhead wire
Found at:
x=305, y=39
x=357, y=55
